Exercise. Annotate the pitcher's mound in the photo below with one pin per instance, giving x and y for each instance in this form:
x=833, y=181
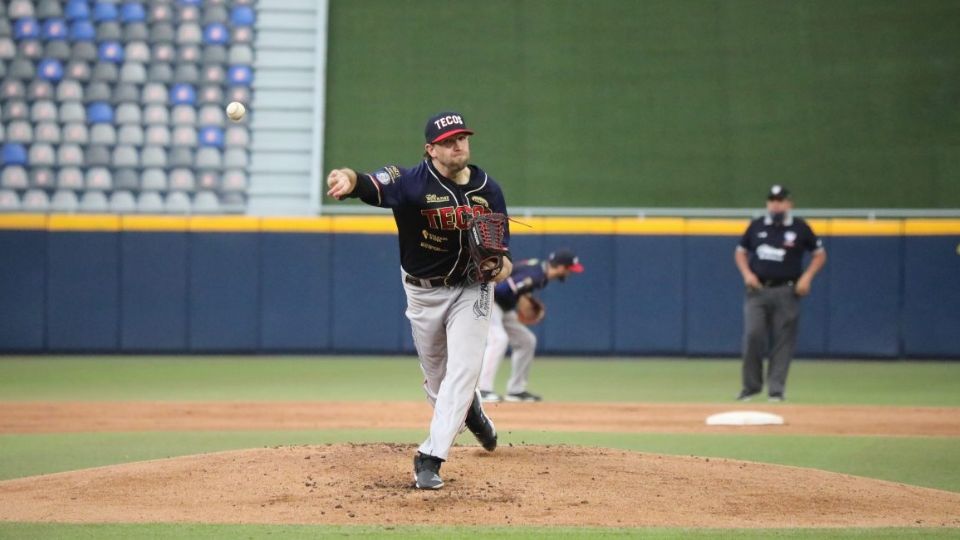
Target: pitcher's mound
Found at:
x=372, y=484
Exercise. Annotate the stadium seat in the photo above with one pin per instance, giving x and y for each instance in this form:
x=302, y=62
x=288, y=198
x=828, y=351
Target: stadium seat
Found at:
x=48, y=132
x=241, y=55
x=209, y=158
x=14, y=177
x=188, y=14
x=131, y=135
x=41, y=155
x=77, y=10
x=158, y=136
x=186, y=73
x=161, y=13
x=7, y=49
x=76, y=133
x=125, y=93
x=185, y=136
x=184, y=115
x=6, y=30
x=206, y=202
x=214, y=54
x=122, y=202
x=97, y=91
x=21, y=68
x=188, y=54
x=54, y=29
x=182, y=180
x=78, y=70
x=162, y=33
x=233, y=203
x=49, y=9
x=133, y=12
x=163, y=52
x=177, y=203
x=50, y=69
x=212, y=115
x=72, y=111
x=125, y=157
x=181, y=157
x=210, y=95
x=82, y=30
x=136, y=31
x=42, y=178
x=160, y=73
x=26, y=28
x=35, y=200
x=133, y=72
x=13, y=90
x=137, y=51
x=3, y=134
x=15, y=110
x=103, y=134
x=64, y=201
x=69, y=155
x=58, y=50
x=104, y=11
x=94, y=202
x=109, y=31
x=69, y=90
x=150, y=203
x=14, y=154
x=40, y=90
x=153, y=180
x=153, y=157
x=69, y=178
x=111, y=51
x=43, y=111
x=3, y=69
x=96, y=156
x=213, y=75
x=242, y=16
x=31, y=49
x=182, y=94
x=100, y=113
x=20, y=131
x=211, y=136
x=105, y=72
x=128, y=113
x=126, y=179
x=154, y=93
x=20, y=9
x=216, y=34
x=208, y=180
x=156, y=115
x=9, y=201
x=99, y=179
x=215, y=14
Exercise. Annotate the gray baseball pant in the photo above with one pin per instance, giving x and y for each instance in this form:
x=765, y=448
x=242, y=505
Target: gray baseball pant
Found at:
x=770, y=317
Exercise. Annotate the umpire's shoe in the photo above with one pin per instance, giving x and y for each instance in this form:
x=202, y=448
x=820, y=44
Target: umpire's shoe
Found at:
x=480, y=424
x=426, y=471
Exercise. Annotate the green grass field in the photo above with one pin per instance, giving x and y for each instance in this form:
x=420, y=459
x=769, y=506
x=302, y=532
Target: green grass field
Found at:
x=925, y=461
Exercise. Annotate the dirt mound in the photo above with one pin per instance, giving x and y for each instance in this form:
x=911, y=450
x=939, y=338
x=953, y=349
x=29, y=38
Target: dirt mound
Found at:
x=524, y=485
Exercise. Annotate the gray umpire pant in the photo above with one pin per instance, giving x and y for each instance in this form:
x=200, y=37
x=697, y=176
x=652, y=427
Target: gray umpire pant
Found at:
x=770, y=317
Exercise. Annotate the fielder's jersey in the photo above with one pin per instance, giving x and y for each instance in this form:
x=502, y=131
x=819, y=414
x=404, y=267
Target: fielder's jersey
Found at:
x=527, y=276
x=431, y=213
x=776, y=250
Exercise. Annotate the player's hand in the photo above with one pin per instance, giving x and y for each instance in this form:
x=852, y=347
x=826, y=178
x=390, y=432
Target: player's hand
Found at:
x=341, y=183
x=505, y=271
x=751, y=281
x=802, y=288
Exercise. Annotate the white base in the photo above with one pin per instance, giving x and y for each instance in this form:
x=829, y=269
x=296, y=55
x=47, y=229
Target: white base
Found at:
x=745, y=418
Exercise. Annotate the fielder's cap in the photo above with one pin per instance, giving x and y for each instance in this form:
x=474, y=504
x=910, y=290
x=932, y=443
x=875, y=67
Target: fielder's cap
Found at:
x=565, y=257
x=778, y=193
x=443, y=125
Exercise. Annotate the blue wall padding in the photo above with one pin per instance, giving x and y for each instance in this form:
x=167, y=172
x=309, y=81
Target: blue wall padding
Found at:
x=224, y=292
x=23, y=256
x=649, y=298
x=153, y=291
x=83, y=291
x=714, y=293
x=295, y=292
x=931, y=296
x=865, y=281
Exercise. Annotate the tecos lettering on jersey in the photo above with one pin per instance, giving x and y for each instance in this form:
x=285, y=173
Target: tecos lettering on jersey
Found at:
x=422, y=201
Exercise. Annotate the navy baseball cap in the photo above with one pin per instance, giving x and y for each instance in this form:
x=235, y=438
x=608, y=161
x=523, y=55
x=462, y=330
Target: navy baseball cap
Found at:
x=565, y=257
x=443, y=125
x=778, y=193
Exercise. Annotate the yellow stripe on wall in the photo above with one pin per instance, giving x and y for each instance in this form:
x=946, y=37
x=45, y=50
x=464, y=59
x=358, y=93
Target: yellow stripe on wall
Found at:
x=931, y=227
x=94, y=223
x=717, y=227
x=577, y=225
x=297, y=224
x=154, y=223
x=364, y=225
x=23, y=221
x=224, y=224
x=865, y=227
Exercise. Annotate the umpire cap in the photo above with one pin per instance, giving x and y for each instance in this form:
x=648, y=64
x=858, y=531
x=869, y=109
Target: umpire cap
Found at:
x=443, y=125
x=778, y=193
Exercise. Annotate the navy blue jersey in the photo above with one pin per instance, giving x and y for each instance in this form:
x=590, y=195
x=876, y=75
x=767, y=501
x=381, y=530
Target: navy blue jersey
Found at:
x=527, y=276
x=776, y=250
x=431, y=213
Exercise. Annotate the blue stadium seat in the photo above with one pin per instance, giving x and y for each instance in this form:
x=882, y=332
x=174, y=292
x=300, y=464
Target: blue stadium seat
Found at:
x=50, y=70
x=111, y=51
x=77, y=10
x=242, y=16
x=100, y=113
x=54, y=29
x=183, y=94
x=82, y=30
x=215, y=34
x=26, y=29
x=14, y=154
x=132, y=12
x=105, y=11
x=240, y=75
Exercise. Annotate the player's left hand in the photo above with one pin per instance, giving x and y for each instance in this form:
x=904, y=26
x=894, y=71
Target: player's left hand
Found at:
x=341, y=183
x=802, y=288
x=505, y=271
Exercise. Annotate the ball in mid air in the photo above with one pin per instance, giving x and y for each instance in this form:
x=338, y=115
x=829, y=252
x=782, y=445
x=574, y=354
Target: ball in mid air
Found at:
x=236, y=111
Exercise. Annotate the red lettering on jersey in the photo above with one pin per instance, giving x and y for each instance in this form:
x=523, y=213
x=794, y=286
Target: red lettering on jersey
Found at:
x=462, y=213
x=447, y=218
x=479, y=210
x=431, y=215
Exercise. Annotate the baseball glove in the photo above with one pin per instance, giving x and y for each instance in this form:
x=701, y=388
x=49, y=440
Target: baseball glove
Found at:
x=530, y=309
x=485, y=233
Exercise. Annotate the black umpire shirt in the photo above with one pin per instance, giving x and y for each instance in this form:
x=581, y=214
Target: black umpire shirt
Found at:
x=776, y=250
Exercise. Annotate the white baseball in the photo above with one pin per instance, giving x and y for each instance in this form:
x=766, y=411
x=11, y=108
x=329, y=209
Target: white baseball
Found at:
x=236, y=111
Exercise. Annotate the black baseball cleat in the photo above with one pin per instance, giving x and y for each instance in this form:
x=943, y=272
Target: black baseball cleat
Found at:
x=522, y=396
x=426, y=472
x=480, y=424
x=489, y=396
x=745, y=395
x=775, y=397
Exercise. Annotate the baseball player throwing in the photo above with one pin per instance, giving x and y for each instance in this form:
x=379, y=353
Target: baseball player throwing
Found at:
x=506, y=327
x=449, y=308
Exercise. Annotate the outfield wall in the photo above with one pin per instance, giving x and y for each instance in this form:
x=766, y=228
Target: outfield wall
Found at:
x=332, y=284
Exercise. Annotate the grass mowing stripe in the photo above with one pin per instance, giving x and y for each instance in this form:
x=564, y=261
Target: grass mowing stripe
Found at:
x=923, y=461
x=31, y=531
x=399, y=378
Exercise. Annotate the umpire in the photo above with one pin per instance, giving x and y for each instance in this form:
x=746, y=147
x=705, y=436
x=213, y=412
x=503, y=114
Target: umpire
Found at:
x=770, y=258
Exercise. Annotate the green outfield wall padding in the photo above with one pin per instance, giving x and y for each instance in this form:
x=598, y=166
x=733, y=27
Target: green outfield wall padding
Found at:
x=692, y=103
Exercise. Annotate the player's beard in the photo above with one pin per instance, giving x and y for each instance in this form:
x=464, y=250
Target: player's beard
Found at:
x=456, y=163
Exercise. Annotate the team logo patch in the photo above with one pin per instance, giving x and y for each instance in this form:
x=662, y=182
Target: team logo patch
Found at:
x=789, y=238
x=434, y=198
x=384, y=178
x=479, y=200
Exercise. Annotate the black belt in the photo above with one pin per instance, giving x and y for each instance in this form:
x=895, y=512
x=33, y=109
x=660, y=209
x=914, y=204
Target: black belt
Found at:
x=428, y=283
x=777, y=282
